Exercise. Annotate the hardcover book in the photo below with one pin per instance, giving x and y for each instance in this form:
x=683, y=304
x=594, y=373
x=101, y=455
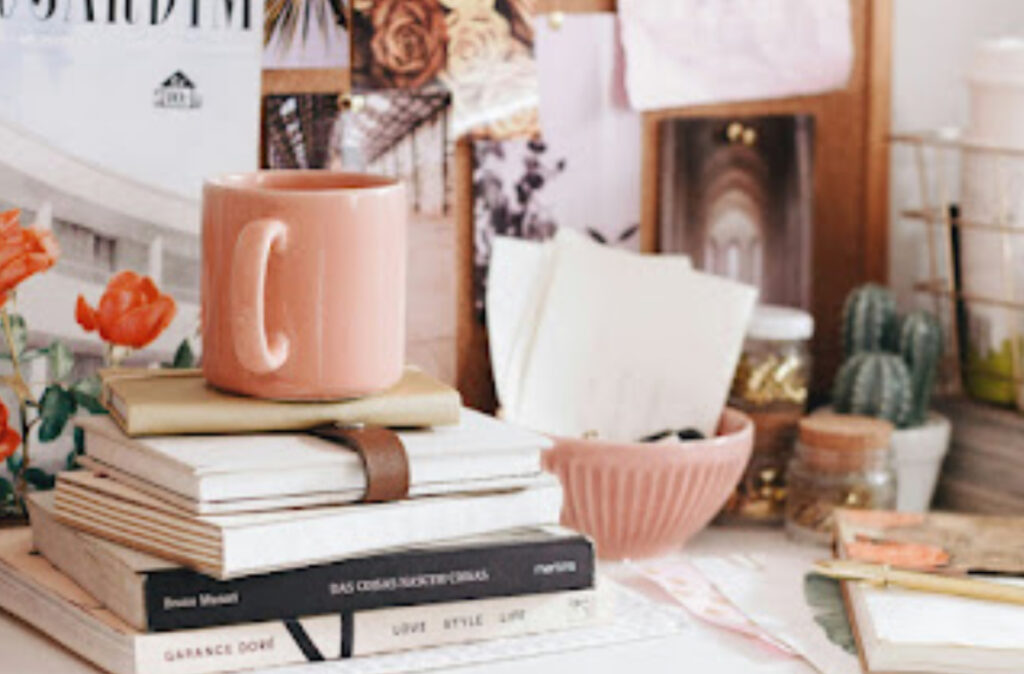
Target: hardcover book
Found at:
x=154, y=595
x=210, y=474
x=241, y=544
x=176, y=402
x=34, y=591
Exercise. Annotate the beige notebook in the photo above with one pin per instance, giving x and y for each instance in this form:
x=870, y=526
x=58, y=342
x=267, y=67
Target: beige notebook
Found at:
x=179, y=402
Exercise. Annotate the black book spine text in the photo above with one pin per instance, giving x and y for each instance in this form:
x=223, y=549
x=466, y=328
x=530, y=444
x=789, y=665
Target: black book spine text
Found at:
x=183, y=599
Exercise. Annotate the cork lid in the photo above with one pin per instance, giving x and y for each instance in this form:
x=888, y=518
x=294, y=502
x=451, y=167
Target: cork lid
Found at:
x=845, y=432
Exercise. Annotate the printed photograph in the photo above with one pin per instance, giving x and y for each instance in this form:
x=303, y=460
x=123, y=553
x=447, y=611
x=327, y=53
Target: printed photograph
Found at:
x=100, y=215
x=306, y=34
x=479, y=52
x=736, y=196
x=584, y=171
x=407, y=135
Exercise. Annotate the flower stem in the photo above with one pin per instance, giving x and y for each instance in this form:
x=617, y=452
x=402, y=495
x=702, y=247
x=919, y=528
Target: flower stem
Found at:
x=25, y=398
x=22, y=483
x=20, y=386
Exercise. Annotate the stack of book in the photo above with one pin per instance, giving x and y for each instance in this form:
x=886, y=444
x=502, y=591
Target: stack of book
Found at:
x=208, y=533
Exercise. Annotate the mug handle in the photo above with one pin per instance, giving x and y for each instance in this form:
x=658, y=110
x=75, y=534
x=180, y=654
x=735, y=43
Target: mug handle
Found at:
x=254, y=350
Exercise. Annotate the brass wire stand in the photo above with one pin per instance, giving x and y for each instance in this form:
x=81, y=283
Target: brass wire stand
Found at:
x=939, y=160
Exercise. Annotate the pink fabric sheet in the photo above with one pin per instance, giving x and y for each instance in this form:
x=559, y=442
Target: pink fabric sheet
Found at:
x=692, y=52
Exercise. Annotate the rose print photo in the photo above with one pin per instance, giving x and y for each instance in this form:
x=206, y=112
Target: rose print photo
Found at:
x=481, y=52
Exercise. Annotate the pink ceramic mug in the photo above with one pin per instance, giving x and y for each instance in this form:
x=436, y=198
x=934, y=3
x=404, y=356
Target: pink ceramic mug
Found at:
x=303, y=284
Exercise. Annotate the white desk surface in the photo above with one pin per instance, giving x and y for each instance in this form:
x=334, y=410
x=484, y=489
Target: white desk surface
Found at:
x=698, y=649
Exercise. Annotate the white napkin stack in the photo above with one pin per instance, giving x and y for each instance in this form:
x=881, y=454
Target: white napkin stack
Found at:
x=590, y=339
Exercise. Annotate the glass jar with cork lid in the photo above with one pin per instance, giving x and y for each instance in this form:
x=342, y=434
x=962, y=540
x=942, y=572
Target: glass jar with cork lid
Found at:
x=841, y=461
x=770, y=385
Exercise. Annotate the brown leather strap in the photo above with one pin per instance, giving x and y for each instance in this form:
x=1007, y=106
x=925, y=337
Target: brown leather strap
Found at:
x=384, y=458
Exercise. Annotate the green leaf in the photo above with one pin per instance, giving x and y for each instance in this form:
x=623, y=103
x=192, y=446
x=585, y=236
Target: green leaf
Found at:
x=825, y=599
x=55, y=408
x=71, y=461
x=91, y=403
x=79, y=437
x=184, y=357
x=26, y=355
x=87, y=394
x=19, y=334
x=14, y=463
x=39, y=478
x=60, y=359
x=90, y=385
x=6, y=490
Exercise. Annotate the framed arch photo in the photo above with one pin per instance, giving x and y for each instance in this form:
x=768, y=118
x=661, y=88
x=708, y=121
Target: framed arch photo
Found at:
x=736, y=196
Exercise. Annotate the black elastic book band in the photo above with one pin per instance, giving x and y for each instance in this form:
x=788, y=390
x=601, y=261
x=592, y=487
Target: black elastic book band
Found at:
x=302, y=640
x=347, y=634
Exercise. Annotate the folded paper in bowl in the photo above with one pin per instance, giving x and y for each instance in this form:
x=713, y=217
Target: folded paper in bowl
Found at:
x=590, y=339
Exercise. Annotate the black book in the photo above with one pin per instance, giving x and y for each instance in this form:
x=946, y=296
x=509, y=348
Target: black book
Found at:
x=154, y=595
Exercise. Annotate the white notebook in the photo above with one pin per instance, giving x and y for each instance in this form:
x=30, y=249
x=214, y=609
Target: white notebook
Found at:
x=210, y=474
x=906, y=631
x=229, y=546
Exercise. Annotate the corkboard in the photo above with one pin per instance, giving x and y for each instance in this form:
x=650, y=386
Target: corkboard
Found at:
x=850, y=193
x=850, y=180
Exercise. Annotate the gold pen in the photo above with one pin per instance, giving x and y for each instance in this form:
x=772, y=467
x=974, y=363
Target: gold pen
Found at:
x=884, y=575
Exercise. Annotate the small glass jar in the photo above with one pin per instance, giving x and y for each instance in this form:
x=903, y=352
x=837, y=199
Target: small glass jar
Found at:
x=771, y=386
x=841, y=461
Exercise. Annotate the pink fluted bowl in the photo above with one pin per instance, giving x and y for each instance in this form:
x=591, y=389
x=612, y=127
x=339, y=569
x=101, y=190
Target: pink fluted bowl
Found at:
x=644, y=499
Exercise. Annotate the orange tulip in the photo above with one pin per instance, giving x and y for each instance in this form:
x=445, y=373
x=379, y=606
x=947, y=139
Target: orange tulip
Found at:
x=132, y=311
x=10, y=439
x=24, y=251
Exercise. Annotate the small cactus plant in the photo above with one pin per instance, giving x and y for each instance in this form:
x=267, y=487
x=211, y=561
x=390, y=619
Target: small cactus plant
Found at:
x=921, y=348
x=876, y=384
x=869, y=320
x=890, y=365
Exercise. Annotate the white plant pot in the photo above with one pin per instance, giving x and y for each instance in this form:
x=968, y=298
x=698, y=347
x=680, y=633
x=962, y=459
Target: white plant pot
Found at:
x=918, y=454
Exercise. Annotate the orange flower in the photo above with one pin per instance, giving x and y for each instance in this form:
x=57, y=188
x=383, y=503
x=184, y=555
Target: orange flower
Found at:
x=10, y=439
x=24, y=251
x=132, y=311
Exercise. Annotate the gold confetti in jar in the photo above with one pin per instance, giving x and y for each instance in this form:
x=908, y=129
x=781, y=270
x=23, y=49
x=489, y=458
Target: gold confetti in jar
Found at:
x=771, y=387
x=841, y=461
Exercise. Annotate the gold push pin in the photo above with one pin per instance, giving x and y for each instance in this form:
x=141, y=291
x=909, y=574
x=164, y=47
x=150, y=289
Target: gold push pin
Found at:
x=556, y=19
x=352, y=102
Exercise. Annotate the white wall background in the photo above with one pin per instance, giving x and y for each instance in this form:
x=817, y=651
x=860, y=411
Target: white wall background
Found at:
x=933, y=42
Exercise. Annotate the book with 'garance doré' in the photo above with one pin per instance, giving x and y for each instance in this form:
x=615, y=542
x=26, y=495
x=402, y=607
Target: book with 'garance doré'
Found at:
x=174, y=402
x=36, y=592
x=154, y=595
